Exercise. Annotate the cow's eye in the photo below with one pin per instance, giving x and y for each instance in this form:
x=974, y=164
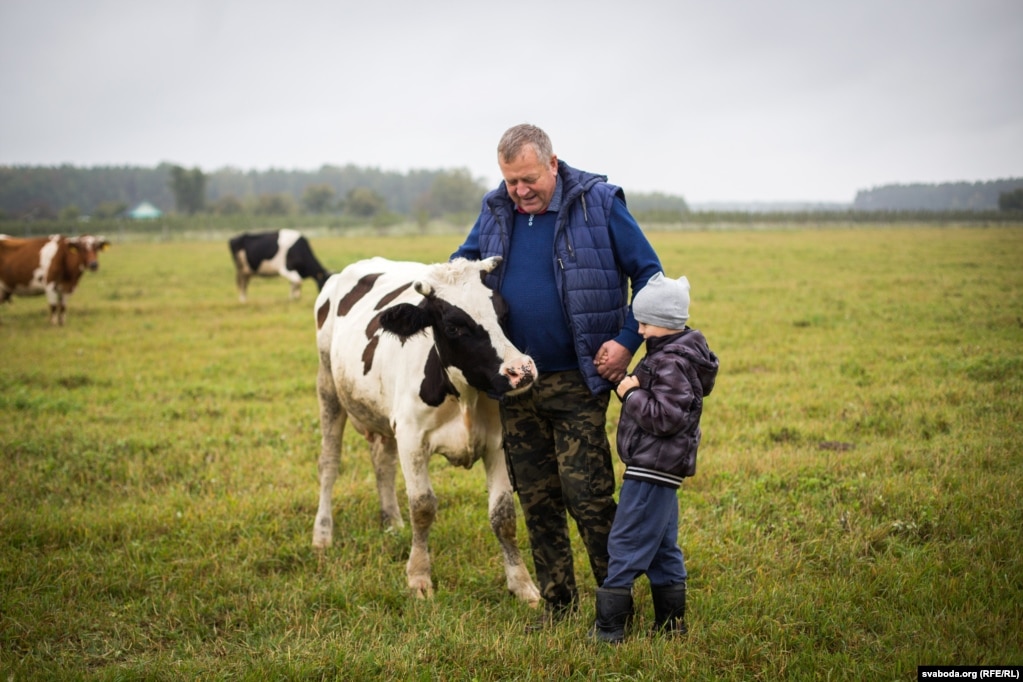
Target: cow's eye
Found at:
x=453, y=331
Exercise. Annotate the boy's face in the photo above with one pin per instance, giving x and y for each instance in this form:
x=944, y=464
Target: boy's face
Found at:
x=652, y=331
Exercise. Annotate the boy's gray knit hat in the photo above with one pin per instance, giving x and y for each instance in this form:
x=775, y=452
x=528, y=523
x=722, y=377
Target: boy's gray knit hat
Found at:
x=663, y=302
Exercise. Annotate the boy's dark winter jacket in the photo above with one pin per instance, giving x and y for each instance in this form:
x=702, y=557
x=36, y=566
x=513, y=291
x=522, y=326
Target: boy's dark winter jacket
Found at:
x=659, y=428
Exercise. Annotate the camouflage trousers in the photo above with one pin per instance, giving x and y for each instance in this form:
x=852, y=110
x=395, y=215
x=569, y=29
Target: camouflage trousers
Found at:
x=559, y=459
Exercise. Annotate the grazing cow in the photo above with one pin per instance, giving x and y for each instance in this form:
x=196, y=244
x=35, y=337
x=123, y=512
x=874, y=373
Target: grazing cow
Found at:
x=268, y=254
x=409, y=353
x=47, y=265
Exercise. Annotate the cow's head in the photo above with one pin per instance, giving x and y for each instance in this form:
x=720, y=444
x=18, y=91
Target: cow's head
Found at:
x=464, y=316
x=87, y=248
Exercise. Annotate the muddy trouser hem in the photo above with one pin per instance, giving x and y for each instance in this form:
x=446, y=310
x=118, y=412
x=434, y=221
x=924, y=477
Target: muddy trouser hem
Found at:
x=559, y=458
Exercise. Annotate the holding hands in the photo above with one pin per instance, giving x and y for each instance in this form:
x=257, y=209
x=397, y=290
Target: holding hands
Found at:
x=612, y=361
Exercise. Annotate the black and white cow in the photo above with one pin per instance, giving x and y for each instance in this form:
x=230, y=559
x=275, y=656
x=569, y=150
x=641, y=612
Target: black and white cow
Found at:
x=268, y=254
x=408, y=354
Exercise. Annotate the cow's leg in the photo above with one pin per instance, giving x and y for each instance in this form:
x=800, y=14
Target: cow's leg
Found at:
x=332, y=426
x=422, y=504
x=56, y=301
x=501, y=509
x=296, y=283
x=242, y=279
x=385, y=466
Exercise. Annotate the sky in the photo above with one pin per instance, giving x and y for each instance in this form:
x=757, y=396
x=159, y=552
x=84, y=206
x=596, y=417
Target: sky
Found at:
x=716, y=101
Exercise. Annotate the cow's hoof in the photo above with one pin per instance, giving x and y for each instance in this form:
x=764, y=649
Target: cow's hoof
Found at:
x=391, y=523
x=321, y=539
x=421, y=588
x=528, y=594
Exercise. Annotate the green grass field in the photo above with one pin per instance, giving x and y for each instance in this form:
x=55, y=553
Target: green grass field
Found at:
x=857, y=509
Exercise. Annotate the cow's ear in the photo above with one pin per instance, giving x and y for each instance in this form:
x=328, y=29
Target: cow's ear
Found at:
x=404, y=320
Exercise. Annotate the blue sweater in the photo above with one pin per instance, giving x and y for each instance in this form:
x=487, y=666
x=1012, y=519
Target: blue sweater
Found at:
x=536, y=320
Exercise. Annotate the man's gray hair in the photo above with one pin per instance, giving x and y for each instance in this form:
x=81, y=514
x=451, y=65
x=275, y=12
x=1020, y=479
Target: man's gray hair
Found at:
x=517, y=137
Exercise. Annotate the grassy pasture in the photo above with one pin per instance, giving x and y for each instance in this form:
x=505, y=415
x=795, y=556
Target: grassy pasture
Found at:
x=857, y=510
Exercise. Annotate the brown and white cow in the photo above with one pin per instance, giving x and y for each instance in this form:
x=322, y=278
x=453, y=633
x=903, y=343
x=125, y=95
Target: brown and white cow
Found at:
x=47, y=265
x=408, y=354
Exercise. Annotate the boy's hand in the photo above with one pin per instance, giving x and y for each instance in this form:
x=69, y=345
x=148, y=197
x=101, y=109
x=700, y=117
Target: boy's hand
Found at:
x=625, y=384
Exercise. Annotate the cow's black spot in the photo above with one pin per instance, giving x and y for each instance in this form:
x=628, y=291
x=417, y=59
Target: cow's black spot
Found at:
x=391, y=296
x=257, y=247
x=361, y=288
x=321, y=314
x=435, y=386
x=368, y=353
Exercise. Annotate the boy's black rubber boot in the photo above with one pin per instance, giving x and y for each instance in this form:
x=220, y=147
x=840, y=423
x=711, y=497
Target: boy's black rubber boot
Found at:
x=614, y=611
x=669, y=609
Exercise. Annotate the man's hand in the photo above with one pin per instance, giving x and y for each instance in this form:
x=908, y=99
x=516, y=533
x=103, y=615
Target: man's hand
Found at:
x=612, y=361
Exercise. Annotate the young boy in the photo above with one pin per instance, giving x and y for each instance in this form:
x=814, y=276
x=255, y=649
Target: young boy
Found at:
x=658, y=435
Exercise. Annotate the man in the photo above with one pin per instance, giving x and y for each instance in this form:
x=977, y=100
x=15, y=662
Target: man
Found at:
x=570, y=249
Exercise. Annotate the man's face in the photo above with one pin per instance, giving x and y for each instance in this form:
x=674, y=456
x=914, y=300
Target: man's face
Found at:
x=530, y=181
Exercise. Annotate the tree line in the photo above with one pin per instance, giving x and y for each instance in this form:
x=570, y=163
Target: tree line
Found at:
x=67, y=192
x=355, y=194
x=993, y=195
x=41, y=192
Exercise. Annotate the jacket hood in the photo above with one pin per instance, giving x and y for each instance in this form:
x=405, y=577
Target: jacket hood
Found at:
x=692, y=345
x=576, y=182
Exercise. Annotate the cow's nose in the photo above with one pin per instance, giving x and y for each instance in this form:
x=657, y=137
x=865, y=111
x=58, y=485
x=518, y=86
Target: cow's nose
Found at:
x=94, y=266
x=520, y=376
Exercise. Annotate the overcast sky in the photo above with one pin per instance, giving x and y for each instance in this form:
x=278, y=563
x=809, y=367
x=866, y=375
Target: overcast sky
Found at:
x=744, y=100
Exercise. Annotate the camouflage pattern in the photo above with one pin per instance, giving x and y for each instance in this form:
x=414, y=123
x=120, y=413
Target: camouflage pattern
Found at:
x=559, y=459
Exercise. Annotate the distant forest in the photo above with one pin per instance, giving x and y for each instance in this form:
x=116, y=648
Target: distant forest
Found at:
x=30, y=193
x=41, y=192
x=952, y=196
